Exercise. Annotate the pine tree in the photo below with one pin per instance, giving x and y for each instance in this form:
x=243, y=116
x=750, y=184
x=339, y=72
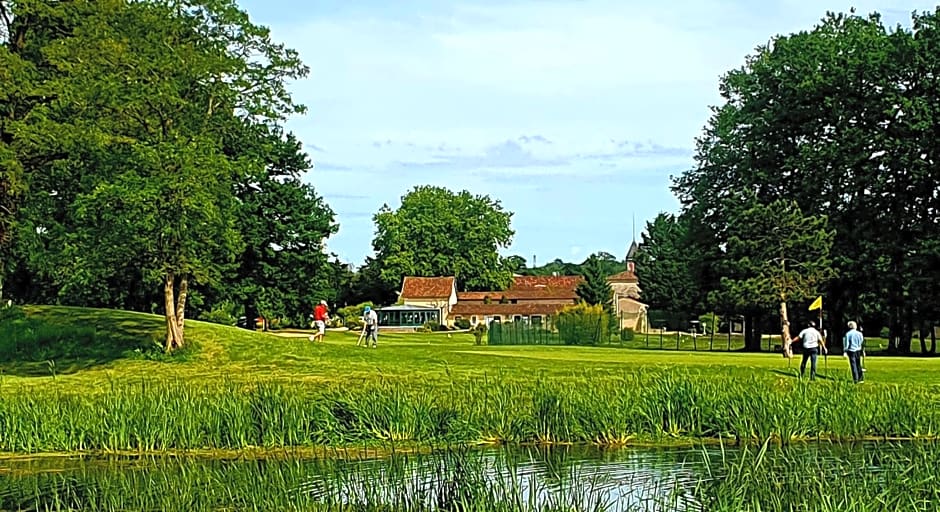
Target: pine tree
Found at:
x=595, y=289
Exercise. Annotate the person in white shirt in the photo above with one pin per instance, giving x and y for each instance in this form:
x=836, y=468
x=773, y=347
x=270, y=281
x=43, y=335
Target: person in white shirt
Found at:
x=812, y=341
x=371, y=326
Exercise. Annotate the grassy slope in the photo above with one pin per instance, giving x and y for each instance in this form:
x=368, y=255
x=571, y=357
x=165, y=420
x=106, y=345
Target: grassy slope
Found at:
x=237, y=354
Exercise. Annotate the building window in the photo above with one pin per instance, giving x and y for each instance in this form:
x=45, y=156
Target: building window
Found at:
x=474, y=320
x=517, y=318
x=535, y=320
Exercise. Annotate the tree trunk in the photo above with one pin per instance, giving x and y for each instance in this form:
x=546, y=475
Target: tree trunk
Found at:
x=923, y=339
x=893, y=332
x=174, y=335
x=906, y=331
x=933, y=339
x=785, y=330
x=181, y=306
x=751, y=341
x=251, y=312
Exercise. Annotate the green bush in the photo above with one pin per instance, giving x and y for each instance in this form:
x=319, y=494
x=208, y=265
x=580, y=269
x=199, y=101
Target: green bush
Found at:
x=225, y=313
x=353, y=322
x=710, y=322
x=626, y=334
x=351, y=316
x=885, y=333
x=478, y=332
x=433, y=326
x=462, y=323
x=584, y=324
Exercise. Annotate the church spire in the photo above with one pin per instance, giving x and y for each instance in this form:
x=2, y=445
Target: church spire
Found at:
x=631, y=252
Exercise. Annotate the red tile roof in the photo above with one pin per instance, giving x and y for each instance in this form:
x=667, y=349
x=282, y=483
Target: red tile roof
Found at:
x=427, y=287
x=531, y=288
x=625, y=276
x=478, y=295
x=480, y=309
x=542, y=282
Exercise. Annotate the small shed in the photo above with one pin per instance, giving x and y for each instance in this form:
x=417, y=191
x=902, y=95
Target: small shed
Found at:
x=402, y=315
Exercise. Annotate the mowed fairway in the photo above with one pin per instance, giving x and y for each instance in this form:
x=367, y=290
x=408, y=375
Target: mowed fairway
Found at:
x=109, y=388
x=236, y=354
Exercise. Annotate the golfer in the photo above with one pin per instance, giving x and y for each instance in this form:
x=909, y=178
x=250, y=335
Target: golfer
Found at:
x=812, y=341
x=320, y=317
x=853, y=350
x=371, y=322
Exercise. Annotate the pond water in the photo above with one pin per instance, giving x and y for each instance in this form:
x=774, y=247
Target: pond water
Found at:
x=519, y=478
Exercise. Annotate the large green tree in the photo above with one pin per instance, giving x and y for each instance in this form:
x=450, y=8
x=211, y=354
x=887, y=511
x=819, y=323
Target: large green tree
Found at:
x=665, y=266
x=26, y=26
x=775, y=254
x=145, y=93
x=284, y=268
x=436, y=232
x=595, y=289
x=841, y=118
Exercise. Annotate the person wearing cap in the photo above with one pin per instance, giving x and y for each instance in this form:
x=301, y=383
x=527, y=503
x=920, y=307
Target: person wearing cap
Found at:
x=371, y=322
x=812, y=341
x=853, y=350
x=320, y=317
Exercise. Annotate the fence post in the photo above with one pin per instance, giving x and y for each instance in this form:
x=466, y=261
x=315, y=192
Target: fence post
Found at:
x=729, y=336
x=711, y=341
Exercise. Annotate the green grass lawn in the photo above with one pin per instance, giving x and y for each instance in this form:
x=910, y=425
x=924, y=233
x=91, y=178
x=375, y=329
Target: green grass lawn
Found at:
x=95, y=380
x=237, y=354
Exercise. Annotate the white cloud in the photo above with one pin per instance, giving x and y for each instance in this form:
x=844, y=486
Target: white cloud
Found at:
x=586, y=106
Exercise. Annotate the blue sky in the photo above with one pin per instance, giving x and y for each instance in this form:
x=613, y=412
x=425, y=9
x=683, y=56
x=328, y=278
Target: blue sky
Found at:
x=574, y=114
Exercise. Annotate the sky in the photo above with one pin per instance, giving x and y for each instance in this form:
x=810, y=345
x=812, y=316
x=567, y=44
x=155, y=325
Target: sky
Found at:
x=574, y=114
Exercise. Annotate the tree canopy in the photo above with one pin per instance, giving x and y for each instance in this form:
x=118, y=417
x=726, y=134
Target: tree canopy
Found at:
x=436, y=232
x=595, y=289
x=841, y=119
x=127, y=154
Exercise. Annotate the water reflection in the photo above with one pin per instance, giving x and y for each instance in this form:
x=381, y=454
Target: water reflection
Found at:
x=571, y=478
x=509, y=479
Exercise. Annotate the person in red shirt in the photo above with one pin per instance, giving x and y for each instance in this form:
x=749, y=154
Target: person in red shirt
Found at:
x=320, y=318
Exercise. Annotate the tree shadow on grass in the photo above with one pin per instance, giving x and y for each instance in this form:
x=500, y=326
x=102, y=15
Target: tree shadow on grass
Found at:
x=47, y=340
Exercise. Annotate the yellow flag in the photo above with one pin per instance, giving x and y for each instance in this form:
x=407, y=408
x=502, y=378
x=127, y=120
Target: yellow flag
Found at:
x=817, y=304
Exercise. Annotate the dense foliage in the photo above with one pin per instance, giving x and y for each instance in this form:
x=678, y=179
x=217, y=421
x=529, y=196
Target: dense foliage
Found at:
x=143, y=164
x=838, y=124
x=436, y=232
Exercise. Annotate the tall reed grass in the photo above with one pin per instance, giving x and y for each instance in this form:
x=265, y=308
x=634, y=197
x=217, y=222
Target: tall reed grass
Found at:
x=749, y=479
x=649, y=405
x=454, y=480
x=882, y=477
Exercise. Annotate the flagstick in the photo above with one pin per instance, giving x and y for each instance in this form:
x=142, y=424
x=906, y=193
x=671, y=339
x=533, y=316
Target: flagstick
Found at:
x=821, y=331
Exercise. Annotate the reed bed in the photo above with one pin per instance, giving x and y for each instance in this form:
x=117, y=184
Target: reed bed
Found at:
x=452, y=480
x=648, y=406
x=747, y=479
x=882, y=478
